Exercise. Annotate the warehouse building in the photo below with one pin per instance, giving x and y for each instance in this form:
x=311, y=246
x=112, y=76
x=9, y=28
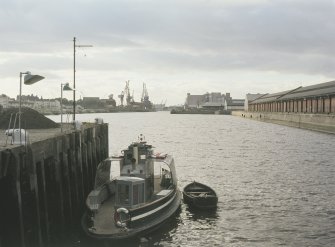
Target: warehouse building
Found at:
x=319, y=98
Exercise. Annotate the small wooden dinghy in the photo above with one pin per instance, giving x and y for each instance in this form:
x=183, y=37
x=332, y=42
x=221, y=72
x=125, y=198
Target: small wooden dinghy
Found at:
x=200, y=196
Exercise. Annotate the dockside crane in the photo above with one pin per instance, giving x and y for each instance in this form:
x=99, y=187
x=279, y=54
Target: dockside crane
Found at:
x=145, y=97
x=129, y=98
x=121, y=96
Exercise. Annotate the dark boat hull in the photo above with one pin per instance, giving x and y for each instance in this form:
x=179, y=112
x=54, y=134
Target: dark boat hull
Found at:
x=200, y=196
x=147, y=225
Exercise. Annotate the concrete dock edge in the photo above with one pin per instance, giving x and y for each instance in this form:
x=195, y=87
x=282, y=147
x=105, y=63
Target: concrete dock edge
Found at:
x=316, y=122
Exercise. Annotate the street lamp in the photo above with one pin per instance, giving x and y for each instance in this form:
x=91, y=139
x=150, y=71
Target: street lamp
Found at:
x=29, y=79
x=63, y=87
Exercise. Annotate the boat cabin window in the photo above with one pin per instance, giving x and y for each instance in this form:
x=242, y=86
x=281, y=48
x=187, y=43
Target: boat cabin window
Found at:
x=130, y=191
x=123, y=194
x=138, y=193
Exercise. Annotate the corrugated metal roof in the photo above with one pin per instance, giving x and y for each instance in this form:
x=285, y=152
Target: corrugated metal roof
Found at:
x=317, y=90
x=326, y=88
x=251, y=97
x=270, y=97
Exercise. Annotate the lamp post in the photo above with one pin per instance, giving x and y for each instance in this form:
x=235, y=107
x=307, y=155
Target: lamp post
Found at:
x=63, y=87
x=29, y=79
x=74, y=75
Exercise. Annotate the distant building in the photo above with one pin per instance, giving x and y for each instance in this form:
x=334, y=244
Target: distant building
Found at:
x=250, y=97
x=33, y=102
x=207, y=100
x=24, y=103
x=92, y=103
x=214, y=101
x=47, y=106
x=91, y=99
x=30, y=98
x=235, y=105
x=194, y=101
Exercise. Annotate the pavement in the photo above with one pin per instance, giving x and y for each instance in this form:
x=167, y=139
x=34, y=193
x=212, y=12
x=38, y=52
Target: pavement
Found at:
x=33, y=135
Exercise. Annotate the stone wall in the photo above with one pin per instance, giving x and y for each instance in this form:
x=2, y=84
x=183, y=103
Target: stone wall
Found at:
x=317, y=122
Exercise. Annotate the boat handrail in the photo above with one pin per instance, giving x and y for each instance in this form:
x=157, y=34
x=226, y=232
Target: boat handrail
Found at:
x=159, y=156
x=197, y=192
x=116, y=158
x=148, y=204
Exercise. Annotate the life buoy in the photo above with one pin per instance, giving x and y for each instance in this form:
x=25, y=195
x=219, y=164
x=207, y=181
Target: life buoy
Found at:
x=121, y=217
x=160, y=155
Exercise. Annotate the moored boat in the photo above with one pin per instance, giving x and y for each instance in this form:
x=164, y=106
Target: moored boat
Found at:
x=200, y=196
x=139, y=200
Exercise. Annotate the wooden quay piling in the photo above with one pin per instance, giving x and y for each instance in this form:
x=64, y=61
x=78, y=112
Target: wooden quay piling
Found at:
x=44, y=183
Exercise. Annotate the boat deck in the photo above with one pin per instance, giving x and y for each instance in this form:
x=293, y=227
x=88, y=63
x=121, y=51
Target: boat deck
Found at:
x=104, y=218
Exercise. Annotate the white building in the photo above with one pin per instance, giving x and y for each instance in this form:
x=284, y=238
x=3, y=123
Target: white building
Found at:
x=42, y=106
x=47, y=106
x=4, y=100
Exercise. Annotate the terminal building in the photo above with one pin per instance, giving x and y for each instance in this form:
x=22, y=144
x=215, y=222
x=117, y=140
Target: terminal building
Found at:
x=316, y=99
x=214, y=101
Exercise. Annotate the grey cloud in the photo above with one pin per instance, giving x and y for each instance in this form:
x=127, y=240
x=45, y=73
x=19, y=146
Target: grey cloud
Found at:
x=170, y=37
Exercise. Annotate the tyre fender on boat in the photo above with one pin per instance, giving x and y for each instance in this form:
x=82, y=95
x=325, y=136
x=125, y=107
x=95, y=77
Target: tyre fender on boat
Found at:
x=121, y=217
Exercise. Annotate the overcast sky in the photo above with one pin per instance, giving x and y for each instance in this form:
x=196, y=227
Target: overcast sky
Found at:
x=174, y=46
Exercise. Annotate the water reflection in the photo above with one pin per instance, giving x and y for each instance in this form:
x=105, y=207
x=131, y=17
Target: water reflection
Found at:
x=202, y=216
x=161, y=236
x=166, y=233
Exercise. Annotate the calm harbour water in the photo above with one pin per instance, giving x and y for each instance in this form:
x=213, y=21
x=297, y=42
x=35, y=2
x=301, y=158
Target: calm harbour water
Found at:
x=276, y=184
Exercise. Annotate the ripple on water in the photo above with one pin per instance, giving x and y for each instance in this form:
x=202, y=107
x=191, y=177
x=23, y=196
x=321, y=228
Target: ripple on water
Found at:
x=276, y=184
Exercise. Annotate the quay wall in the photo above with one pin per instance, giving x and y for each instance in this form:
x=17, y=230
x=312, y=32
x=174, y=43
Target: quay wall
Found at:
x=317, y=122
x=43, y=186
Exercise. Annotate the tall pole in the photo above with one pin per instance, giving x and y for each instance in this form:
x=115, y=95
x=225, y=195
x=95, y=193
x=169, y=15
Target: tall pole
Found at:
x=61, y=107
x=74, y=75
x=20, y=103
x=74, y=79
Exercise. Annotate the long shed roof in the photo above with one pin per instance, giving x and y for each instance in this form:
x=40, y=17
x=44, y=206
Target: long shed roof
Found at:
x=317, y=90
